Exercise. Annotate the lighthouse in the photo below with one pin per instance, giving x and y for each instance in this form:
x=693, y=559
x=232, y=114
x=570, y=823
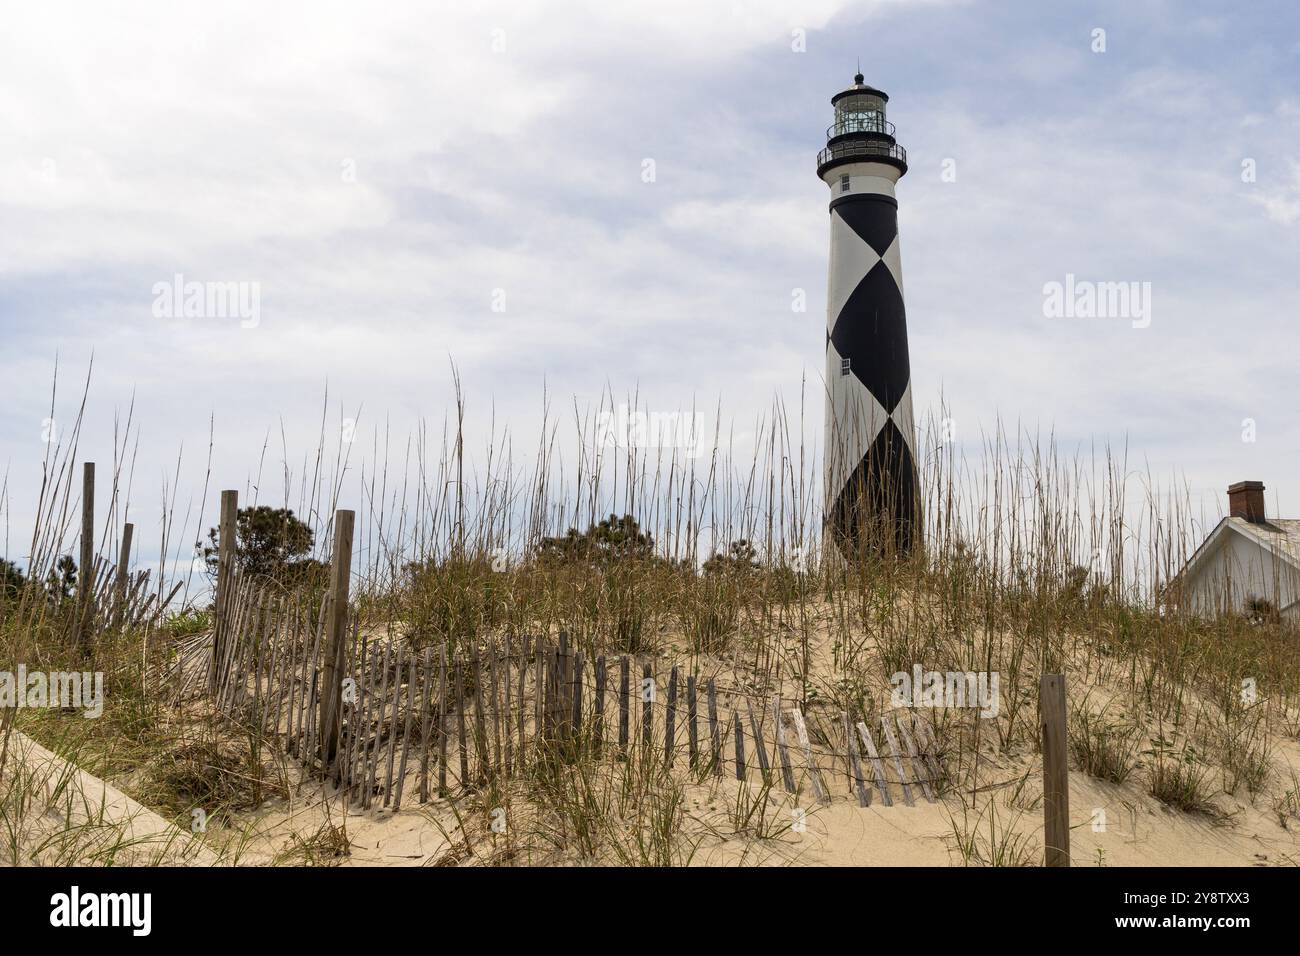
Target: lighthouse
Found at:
x=872, y=493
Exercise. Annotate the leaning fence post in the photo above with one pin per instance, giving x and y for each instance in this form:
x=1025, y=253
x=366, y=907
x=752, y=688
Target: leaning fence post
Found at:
x=86, y=571
x=119, y=578
x=1056, y=772
x=331, y=695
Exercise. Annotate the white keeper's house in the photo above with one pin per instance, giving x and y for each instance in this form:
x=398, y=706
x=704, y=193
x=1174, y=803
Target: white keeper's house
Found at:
x=1247, y=559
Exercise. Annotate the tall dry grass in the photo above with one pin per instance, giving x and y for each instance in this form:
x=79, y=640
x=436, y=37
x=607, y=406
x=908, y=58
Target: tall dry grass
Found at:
x=1032, y=560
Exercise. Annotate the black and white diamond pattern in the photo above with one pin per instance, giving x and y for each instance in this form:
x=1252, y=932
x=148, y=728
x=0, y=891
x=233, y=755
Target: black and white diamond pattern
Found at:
x=870, y=433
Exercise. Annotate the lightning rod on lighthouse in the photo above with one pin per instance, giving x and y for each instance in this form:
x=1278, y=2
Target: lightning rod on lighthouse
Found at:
x=872, y=493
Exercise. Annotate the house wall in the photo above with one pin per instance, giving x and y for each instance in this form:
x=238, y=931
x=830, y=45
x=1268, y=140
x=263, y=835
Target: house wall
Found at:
x=1238, y=570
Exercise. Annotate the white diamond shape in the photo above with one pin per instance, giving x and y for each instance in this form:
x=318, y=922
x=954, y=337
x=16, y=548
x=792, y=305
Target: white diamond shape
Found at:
x=851, y=259
x=904, y=420
x=853, y=420
x=894, y=262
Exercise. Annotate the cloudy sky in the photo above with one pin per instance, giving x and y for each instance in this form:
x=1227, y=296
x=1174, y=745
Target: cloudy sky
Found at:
x=408, y=184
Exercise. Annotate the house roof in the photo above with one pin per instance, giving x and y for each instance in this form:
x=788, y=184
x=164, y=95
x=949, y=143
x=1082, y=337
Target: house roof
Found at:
x=1281, y=536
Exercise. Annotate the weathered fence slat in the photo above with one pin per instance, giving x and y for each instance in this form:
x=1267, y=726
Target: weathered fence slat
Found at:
x=564, y=689
x=801, y=730
x=855, y=762
x=624, y=695
x=442, y=721
x=929, y=750
x=277, y=685
x=225, y=667
x=715, y=729
x=393, y=724
x=670, y=720
x=411, y=681
x=362, y=708
x=426, y=718
x=497, y=759
x=256, y=644
x=312, y=674
x=374, y=718
x=783, y=752
x=575, y=719
x=509, y=730
x=523, y=678
x=898, y=762
x=550, y=721
x=463, y=780
x=295, y=681
x=760, y=748
x=343, y=766
x=878, y=768
x=919, y=771
x=647, y=704
x=539, y=691
x=239, y=644
x=598, y=712
x=692, y=723
x=740, y=743
x=258, y=657
x=482, y=746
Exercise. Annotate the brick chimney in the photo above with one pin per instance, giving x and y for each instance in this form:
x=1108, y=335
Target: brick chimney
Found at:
x=1246, y=500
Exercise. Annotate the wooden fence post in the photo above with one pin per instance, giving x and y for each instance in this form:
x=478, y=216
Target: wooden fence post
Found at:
x=119, y=581
x=624, y=696
x=564, y=689
x=224, y=599
x=331, y=695
x=86, y=570
x=1056, y=772
x=598, y=714
x=647, y=704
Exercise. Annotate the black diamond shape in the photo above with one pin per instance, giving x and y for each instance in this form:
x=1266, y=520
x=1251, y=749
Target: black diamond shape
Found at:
x=878, y=507
x=871, y=332
x=875, y=222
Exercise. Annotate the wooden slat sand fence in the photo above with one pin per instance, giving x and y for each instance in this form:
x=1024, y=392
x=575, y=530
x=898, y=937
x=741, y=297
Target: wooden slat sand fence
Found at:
x=115, y=598
x=418, y=723
x=108, y=596
x=122, y=600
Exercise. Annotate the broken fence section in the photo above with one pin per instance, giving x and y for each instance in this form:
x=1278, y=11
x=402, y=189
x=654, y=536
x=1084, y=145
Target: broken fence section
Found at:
x=414, y=724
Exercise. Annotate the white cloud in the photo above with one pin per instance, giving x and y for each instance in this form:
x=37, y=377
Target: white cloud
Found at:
x=212, y=141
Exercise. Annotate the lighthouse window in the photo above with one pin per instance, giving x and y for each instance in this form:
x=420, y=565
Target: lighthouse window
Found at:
x=844, y=366
x=844, y=184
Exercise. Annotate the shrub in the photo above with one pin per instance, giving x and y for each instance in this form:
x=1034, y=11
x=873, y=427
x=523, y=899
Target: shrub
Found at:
x=270, y=543
x=1103, y=748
